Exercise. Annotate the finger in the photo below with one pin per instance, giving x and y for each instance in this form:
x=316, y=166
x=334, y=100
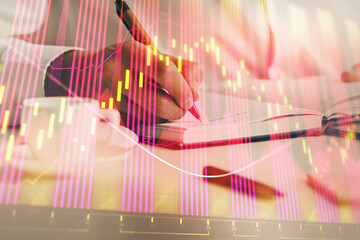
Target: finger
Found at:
x=189, y=66
x=353, y=76
x=153, y=100
x=347, y=77
x=171, y=79
x=356, y=73
x=192, y=72
x=194, y=75
x=356, y=67
x=143, y=59
x=141, y=117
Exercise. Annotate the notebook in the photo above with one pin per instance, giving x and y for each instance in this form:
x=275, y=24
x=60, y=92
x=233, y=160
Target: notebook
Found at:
x=232, y=120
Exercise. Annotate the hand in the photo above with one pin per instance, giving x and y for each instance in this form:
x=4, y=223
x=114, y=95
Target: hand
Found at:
x=142, y=103
x=353, y=75
x=181, y=88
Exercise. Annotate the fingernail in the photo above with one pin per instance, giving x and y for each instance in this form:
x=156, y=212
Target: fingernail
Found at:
x=189, y=103
x=196, y=97
x=196, y=92
x=346, y=77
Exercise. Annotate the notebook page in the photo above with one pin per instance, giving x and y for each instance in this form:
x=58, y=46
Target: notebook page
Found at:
x=242, y=111
x=346, y=108
x=246, y=118
x=280, y=126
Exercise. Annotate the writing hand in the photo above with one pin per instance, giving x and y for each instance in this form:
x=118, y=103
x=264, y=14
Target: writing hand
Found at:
x=181, y=89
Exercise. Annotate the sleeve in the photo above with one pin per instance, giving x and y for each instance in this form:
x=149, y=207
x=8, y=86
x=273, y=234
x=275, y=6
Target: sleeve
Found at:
x=24, y=69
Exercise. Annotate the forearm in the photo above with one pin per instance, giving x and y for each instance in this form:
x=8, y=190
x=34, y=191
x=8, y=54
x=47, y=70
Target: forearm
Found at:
x=76, y=73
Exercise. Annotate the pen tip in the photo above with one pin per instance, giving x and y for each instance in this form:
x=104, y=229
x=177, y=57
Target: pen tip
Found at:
x=195, y=112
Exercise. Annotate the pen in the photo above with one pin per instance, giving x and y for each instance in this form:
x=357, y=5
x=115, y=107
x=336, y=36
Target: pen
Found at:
x=131, y=23
x=243, y=184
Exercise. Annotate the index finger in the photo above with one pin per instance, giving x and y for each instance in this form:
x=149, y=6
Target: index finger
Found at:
x=164, y=73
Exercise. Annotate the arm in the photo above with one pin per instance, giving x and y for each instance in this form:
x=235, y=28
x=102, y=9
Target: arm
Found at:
x=75, y=75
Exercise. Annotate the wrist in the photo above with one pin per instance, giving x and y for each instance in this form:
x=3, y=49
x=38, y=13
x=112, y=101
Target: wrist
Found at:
x=55, y=74
x=74, y=72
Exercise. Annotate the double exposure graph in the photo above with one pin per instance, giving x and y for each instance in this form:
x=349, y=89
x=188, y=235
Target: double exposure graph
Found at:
x=188, y=119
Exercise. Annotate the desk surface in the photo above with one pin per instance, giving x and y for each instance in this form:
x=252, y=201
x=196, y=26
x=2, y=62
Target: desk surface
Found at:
x=141, y=183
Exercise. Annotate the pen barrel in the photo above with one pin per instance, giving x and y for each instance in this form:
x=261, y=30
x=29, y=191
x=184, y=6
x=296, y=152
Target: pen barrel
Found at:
x=136, y=30
x=133, y=24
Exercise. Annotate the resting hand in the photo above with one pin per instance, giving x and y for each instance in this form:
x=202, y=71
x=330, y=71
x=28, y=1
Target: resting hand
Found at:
x=351, y=76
